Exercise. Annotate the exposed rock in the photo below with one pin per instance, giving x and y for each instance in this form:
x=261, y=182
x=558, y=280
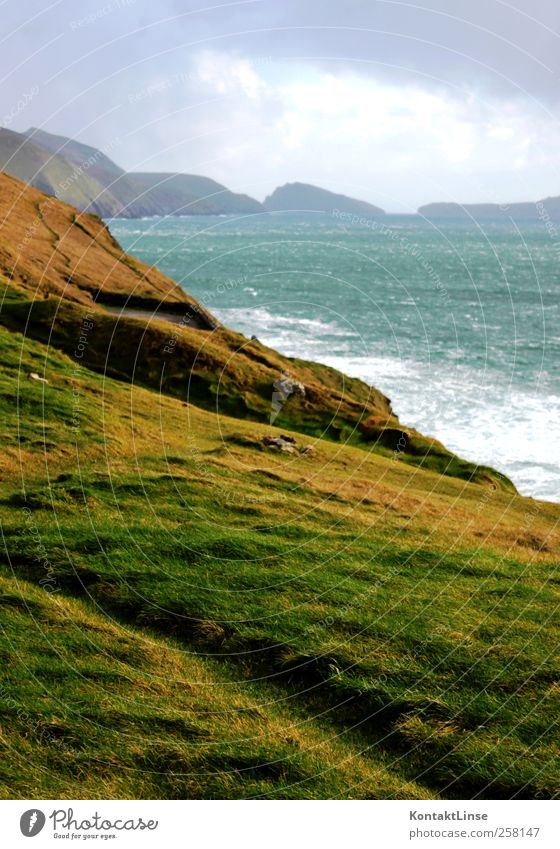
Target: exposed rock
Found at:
x=34, y=376
x=286, y=444
x=283, y=387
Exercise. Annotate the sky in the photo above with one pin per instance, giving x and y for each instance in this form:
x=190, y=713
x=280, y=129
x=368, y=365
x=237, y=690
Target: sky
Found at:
x=396, y=103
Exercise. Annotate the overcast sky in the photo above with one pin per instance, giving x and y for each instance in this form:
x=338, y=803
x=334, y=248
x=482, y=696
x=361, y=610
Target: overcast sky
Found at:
x=396, y=103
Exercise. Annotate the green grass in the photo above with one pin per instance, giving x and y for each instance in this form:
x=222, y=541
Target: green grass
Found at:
x=188, y=614
x=91, y=709
x=224, y=371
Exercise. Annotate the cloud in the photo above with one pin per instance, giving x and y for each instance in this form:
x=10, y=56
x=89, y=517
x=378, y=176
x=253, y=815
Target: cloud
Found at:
x=229, y=75
x=397, y=103
x=387, y=142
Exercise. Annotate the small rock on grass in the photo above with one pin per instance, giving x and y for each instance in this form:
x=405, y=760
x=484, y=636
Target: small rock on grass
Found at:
x=288, y=445
x=34, y=376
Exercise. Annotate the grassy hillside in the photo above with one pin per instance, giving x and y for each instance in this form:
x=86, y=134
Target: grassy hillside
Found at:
x=189, y=613
x=99, y=164
x=48, y=249
x=86, y=178
x=115, y=194
x=199, y=603
x=231, y=375
x=53, y=173
x=142, y=193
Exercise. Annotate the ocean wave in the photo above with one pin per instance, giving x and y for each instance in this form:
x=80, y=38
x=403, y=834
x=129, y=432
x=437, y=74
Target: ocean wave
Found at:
x=472, y=415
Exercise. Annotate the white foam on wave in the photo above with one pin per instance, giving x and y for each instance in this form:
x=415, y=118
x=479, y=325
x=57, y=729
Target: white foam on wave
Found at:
x=289, y=334
x=477, y=416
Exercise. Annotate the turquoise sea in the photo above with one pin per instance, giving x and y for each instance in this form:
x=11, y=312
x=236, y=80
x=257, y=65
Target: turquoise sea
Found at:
x=458, y=323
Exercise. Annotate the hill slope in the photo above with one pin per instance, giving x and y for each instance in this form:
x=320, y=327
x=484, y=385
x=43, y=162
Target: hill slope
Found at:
x=88, y=179
x=187, y=194
x=99, y=164
x=116, y=194
x=54, y=174
x=188, y=614
x=293, y=197
x=48, y=249
x=483, y=211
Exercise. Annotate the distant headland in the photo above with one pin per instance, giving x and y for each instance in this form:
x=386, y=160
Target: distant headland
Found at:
x=87, y=178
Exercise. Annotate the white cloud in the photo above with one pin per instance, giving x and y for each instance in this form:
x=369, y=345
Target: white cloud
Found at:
x=227, y=74
x=501, y=133
x=457, y=140
x=259, y=125
x=293, y=129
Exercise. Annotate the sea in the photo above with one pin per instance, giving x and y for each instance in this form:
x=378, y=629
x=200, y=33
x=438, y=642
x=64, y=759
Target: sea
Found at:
x=457, y=322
